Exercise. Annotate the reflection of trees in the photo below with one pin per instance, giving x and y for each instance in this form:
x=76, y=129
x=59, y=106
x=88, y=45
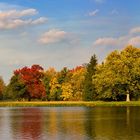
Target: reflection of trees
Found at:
x=72, y=123
x=113, y=123
x=128, y=116
x=27, y=123
x=107, y=122
x=31, y=123
x=50, y=125
x=133, y=122
x=90, y=123
x=65, y=123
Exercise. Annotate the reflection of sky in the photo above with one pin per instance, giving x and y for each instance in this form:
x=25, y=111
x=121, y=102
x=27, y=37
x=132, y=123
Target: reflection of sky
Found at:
x=64, y=33
x=5, y=125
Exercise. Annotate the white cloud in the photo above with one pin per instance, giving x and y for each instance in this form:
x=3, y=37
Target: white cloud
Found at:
x=106, y=41
x=135, y=30
x=10, y=24
x=52, y=36
x=12, y=14
x=39, y=20
x=15, y=18
x=121, y=41
x=27, y=12
x=93, y=13
x=117, y=42
x=134, y=41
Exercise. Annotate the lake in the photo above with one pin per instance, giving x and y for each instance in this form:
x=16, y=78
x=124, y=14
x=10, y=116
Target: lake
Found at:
x=70, y=123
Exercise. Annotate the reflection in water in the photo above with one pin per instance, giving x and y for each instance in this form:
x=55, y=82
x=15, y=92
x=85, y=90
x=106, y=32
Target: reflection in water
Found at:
x=31, y=123
x=28, y=122
x=5, y=128
x=90, y=123
x=70, y=123
x=128, y=116
x=64, y=123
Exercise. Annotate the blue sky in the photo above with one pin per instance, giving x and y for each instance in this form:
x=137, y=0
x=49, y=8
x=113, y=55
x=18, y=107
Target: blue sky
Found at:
x=58, y=33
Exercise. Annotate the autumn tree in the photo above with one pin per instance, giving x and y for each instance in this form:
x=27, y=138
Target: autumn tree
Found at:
x=67, y=92
x=48, y=75
x=77, y=82
x=32, y=79
x=2, y=86
x=55, y=89
x=89, y=87
x=119, y=75
x=53, y=82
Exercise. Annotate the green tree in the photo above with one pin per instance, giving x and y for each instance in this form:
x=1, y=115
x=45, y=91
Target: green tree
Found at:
x=15, y=90
x=63, y=75
x=89, y=87
x=119, y=75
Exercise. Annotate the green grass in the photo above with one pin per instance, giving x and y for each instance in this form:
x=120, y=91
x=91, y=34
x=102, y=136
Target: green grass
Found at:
x=66, y=103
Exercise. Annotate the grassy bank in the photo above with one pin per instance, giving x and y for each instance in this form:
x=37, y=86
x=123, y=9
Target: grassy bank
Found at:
x=69, y=103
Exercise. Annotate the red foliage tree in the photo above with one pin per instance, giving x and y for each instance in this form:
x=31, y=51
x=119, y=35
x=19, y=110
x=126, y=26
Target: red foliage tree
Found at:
x=31, y=77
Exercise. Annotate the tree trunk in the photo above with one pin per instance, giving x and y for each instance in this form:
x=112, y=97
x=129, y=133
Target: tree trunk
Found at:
x=127, y=97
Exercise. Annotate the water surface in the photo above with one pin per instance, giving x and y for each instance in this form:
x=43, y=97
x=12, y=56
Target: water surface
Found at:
x=70, y=123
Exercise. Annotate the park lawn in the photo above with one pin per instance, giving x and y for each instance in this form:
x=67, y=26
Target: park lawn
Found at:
x=66, y=103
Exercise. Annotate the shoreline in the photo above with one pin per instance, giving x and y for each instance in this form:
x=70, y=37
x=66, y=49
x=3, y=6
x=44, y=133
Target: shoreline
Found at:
x=67, y=104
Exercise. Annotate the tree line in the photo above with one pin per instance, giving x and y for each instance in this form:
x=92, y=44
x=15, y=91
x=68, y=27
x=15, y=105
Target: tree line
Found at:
x=117, y=78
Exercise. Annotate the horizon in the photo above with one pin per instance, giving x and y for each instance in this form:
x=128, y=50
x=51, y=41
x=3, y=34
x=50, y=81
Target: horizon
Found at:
x=65, y=33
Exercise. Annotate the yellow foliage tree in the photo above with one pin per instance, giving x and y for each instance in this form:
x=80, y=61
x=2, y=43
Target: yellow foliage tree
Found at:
x=67, y=92
x=55, y=88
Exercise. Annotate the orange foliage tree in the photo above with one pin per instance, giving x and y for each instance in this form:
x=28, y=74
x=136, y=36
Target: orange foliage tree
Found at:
x=32, y=78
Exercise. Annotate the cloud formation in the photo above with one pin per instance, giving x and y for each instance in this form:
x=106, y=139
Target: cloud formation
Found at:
x=106, y=41
x=129, y=39
x=52, y=36
x=39, y=21
x=135, y=30
x=93, y=13
x=135, y=41
x=15, y=18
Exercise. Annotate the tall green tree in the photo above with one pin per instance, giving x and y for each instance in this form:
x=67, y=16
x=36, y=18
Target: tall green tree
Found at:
x=89, y=87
